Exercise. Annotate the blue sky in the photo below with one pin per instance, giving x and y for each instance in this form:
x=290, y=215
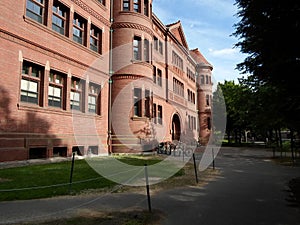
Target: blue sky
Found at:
x=208, y=25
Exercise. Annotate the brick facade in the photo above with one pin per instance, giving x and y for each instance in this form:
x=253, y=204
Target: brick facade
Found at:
x=56, y=60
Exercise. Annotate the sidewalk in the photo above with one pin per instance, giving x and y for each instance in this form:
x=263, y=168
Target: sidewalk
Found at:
x=250, y=190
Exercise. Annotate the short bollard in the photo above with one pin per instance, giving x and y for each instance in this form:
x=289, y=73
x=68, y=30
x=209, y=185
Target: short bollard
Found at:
x=213, y=157
x=147, y=187
x=195, y=168
x=71, y=174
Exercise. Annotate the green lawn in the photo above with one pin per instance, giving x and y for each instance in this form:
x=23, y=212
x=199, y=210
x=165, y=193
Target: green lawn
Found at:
x=48, y=180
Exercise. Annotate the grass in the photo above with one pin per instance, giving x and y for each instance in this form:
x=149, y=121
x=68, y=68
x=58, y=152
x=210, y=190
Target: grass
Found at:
x=49, y=180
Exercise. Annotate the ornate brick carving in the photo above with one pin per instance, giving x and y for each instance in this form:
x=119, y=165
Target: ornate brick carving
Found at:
x=91, y=11
x=133, y=26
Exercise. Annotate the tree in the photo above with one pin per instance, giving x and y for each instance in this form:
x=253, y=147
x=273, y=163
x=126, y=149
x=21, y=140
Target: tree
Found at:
x=269, y=32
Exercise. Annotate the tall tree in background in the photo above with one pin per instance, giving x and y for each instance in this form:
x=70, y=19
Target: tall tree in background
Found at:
x=269, y=32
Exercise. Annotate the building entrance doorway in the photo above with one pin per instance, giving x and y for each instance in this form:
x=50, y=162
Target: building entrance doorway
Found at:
x=176, y=128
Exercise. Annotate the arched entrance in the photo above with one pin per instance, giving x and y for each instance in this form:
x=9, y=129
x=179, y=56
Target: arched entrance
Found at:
x=176, y=128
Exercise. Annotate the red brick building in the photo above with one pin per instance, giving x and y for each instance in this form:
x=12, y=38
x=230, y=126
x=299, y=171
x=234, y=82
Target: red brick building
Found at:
x=93, y=78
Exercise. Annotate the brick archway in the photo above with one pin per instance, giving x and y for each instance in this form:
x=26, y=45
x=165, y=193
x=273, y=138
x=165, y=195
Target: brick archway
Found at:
x=176, y=128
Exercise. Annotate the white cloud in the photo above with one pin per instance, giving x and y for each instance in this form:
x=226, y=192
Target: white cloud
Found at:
x=223, y=52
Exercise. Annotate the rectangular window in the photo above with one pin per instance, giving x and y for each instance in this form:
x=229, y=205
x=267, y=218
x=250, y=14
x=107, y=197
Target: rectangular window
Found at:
x=136, y=5
x=137, y=48
x=94, y=99
x=159, y=114
x=154, y=113
x=79, y=26
x=161, y=50
x=154, y=74
x=56, y=89
x=146, y=50
x=178, y=87
x=155, y=43
x=177, y=60
x=147, y=103
x=146, y=7
x=31, y=82
x=59, y=18
x=159, y=77
x=35, y=10
x=76, y=102
x=96, y=39
x=137, y=102
x=126, y=5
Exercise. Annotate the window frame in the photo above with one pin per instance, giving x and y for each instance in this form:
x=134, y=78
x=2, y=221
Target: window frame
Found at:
x=97, y=37
x=64, y=18
x=41, y=15
x=126, y=8
x=137, y=48
x=160, y=114
x=29, y=78
x=137, y=102
x=92, y=92
x=55, y=84
x=77, y=87
x=79, y=24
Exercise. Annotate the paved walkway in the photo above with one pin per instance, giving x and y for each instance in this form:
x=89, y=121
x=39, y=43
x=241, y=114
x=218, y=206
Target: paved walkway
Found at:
x=250, y=190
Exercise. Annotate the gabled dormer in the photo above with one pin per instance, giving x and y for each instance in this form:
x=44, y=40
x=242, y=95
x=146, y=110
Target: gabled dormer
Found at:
x=177, y=30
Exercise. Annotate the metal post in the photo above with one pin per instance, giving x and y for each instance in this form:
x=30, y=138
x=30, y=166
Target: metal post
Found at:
x=71, y=174
x=147, y=187
x=195, y=168
x=213, y=156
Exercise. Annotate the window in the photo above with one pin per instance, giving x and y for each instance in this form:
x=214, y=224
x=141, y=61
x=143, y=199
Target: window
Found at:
x=31, y=82
x=207, y=81
x=102, y=2
x=137, y=48
x=125, y=5
x=59, y=18
x=191, y=96
x=147, y=103
x=154, y=113
x=146, y=7
x=137, y=109
x=177, y=60
x=94, y=99
x=159, y=114
x=207, y=100
x=55, y=89
x=154, y=74
x=178, y=87
x=35, y=10
x=79, y=25
x=136, y=5
x=159, y=77
x=161, y=51
x=202, y=79
x=146, y=50
x=96, y=39
x=155, y=43
x=76, y=94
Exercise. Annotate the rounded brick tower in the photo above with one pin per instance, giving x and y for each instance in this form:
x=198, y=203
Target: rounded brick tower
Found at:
x=132, y=74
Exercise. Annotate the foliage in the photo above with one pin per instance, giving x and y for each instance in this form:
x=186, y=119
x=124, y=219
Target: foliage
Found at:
x=269, y=32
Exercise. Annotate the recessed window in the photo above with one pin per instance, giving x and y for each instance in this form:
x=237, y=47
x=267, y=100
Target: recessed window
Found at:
x=147, y=103
x=94, y=99
x=154, y=115
x=76, y=100
x=79, y=25
x=178, y=87
x=31, y=82
x=126, y=5
x=136, y=6
x=160, y=46
x=137, y=107
x=102, y=2
x=96, y=39
x=159, y=114
x=137, y=48
x=154, y=74
x=159, y=77
x=59, y=18
x=146, y=7
x=146, y=50
x=35, y=10
x=56, y=89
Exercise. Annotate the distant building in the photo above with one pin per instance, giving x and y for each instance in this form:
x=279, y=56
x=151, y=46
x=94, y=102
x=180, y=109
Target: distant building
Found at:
x=75, y=80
